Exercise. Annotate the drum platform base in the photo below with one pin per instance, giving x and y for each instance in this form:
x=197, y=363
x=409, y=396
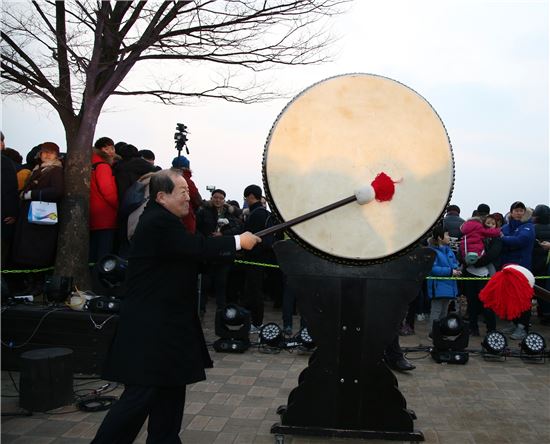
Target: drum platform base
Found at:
x=413, y=436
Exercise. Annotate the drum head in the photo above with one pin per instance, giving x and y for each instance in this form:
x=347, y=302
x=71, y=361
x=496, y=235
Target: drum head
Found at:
x=337, y=136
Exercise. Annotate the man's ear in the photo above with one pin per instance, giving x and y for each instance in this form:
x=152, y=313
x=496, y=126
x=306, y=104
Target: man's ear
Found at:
x=160, y=199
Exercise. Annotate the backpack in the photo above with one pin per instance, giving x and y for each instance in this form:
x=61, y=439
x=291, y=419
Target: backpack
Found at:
x=270, y=221
x=95, y=164
x=133, y=198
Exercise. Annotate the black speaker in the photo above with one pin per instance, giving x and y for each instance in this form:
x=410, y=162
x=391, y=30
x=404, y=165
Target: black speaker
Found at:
x=103, y=304
x=46, y=379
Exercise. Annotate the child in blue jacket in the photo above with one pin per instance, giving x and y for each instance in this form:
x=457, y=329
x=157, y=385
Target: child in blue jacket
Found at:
x=440, y=291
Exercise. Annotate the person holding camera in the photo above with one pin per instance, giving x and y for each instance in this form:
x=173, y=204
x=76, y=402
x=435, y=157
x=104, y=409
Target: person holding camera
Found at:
x=216, y=218
x=159, y=345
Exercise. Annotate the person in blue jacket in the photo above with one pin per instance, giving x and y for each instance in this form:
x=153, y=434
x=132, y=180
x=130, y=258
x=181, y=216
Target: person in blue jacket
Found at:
x=442, y=291
x=518, y=237
x=518, y=240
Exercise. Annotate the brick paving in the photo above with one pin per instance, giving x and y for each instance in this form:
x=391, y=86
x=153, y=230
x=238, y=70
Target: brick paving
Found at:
x=481, y=402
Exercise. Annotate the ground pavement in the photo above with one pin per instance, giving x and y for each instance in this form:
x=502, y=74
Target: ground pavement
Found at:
x=480, y=403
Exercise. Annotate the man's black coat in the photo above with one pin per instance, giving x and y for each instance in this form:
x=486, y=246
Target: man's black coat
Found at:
x=159, y=341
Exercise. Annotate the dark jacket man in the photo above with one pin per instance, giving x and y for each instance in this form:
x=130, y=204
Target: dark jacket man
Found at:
x=159, y=340
x=159, y=346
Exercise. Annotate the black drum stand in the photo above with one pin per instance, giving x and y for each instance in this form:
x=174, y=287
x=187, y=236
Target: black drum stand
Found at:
x=352, y=313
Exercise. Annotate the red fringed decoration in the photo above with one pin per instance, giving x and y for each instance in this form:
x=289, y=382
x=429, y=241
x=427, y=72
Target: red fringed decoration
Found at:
x=507, y=293
x=384, y=187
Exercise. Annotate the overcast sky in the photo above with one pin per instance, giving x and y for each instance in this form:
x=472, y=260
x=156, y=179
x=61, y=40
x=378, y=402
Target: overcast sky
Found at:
x=483, y=66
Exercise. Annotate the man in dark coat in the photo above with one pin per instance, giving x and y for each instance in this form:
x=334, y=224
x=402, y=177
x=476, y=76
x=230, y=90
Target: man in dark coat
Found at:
x=452, y=223
x=159, y=346
x=253, y=298
x=216, y=218
x=10, y=201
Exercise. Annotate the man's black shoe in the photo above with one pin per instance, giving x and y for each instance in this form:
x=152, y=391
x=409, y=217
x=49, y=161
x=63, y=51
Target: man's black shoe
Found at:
x=401, y=365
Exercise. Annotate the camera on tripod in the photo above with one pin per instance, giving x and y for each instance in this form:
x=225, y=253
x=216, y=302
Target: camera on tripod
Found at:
x=180, y=137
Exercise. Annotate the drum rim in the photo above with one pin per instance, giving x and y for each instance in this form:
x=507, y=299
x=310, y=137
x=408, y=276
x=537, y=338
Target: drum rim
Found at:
x=317, y=251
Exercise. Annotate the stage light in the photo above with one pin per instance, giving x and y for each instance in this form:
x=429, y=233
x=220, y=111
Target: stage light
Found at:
x=271, y=334
x=57, y=289
x=533, y=344
x=305, y=338
x=111, y=270
x=232, y=325
x=450, y=339
x=495, y=344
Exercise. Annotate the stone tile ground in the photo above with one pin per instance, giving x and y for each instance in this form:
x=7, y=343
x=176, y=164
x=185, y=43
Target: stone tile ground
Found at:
x=481, y=402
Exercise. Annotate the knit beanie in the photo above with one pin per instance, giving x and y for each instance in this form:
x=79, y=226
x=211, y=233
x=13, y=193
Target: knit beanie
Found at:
x=180, y=162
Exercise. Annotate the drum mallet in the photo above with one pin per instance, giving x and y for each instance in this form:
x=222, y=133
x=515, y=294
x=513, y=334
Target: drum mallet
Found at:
x=382, y=189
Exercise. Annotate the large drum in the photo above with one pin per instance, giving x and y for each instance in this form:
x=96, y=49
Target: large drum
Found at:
x=337, y=136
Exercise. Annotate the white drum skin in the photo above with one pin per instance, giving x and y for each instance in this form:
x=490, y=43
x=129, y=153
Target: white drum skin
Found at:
x=333, y=139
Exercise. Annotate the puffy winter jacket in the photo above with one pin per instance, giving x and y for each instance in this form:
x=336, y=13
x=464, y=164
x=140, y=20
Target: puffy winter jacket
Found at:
x=518, y=241
x=444, y=264
x=103, y=195
x=474, y=232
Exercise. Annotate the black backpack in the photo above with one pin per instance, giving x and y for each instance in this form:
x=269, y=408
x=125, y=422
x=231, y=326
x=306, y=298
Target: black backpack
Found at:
x=133, y=198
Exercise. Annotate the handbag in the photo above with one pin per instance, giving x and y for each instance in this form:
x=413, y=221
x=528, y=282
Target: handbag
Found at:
x=42, y=213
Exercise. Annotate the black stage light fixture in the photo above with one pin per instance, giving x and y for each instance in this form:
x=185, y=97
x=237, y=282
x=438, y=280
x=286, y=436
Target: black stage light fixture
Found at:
x=495, y=346
x=232, y=325
x=450, y=339
x=305, y=339
x=111, y=271
x=58, y=288
x=271, y=335
x=533, y=347
x=302, y=339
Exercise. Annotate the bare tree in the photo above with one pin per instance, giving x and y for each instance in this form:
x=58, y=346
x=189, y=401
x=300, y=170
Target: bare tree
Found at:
x=76, y=54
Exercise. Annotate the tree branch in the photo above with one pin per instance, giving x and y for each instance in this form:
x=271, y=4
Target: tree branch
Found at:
x=38, y=73
x=24, y=81
x=64, y=89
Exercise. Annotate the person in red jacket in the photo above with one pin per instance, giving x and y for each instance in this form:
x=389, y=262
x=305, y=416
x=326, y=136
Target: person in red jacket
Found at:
x=103, y=200
x=190, y=220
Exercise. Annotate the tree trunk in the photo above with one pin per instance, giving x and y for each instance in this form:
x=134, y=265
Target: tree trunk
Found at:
x=73, y=241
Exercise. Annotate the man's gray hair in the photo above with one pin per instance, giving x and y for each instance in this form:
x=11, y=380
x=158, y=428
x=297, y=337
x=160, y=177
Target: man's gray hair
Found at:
x=163, y=180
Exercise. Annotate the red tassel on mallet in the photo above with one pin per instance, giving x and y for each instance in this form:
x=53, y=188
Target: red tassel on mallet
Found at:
x=384, y=187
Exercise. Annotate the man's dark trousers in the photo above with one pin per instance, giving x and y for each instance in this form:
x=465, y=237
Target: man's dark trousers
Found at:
x=253, y=298
x=163, y=405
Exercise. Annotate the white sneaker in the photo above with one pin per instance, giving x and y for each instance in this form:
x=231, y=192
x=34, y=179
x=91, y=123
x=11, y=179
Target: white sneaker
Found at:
x=519, y=334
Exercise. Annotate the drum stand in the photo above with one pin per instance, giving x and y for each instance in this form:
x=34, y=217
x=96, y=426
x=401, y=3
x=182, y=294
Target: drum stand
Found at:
x=352, y=314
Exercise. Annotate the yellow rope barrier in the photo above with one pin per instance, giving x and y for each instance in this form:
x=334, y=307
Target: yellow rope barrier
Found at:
x=260, y=264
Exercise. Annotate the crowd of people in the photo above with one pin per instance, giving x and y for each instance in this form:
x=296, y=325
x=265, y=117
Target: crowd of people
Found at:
x=477, y=248
x=120, y=174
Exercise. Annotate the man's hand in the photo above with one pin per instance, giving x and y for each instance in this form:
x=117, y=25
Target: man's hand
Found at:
x=249, y=240
x=9, y=220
